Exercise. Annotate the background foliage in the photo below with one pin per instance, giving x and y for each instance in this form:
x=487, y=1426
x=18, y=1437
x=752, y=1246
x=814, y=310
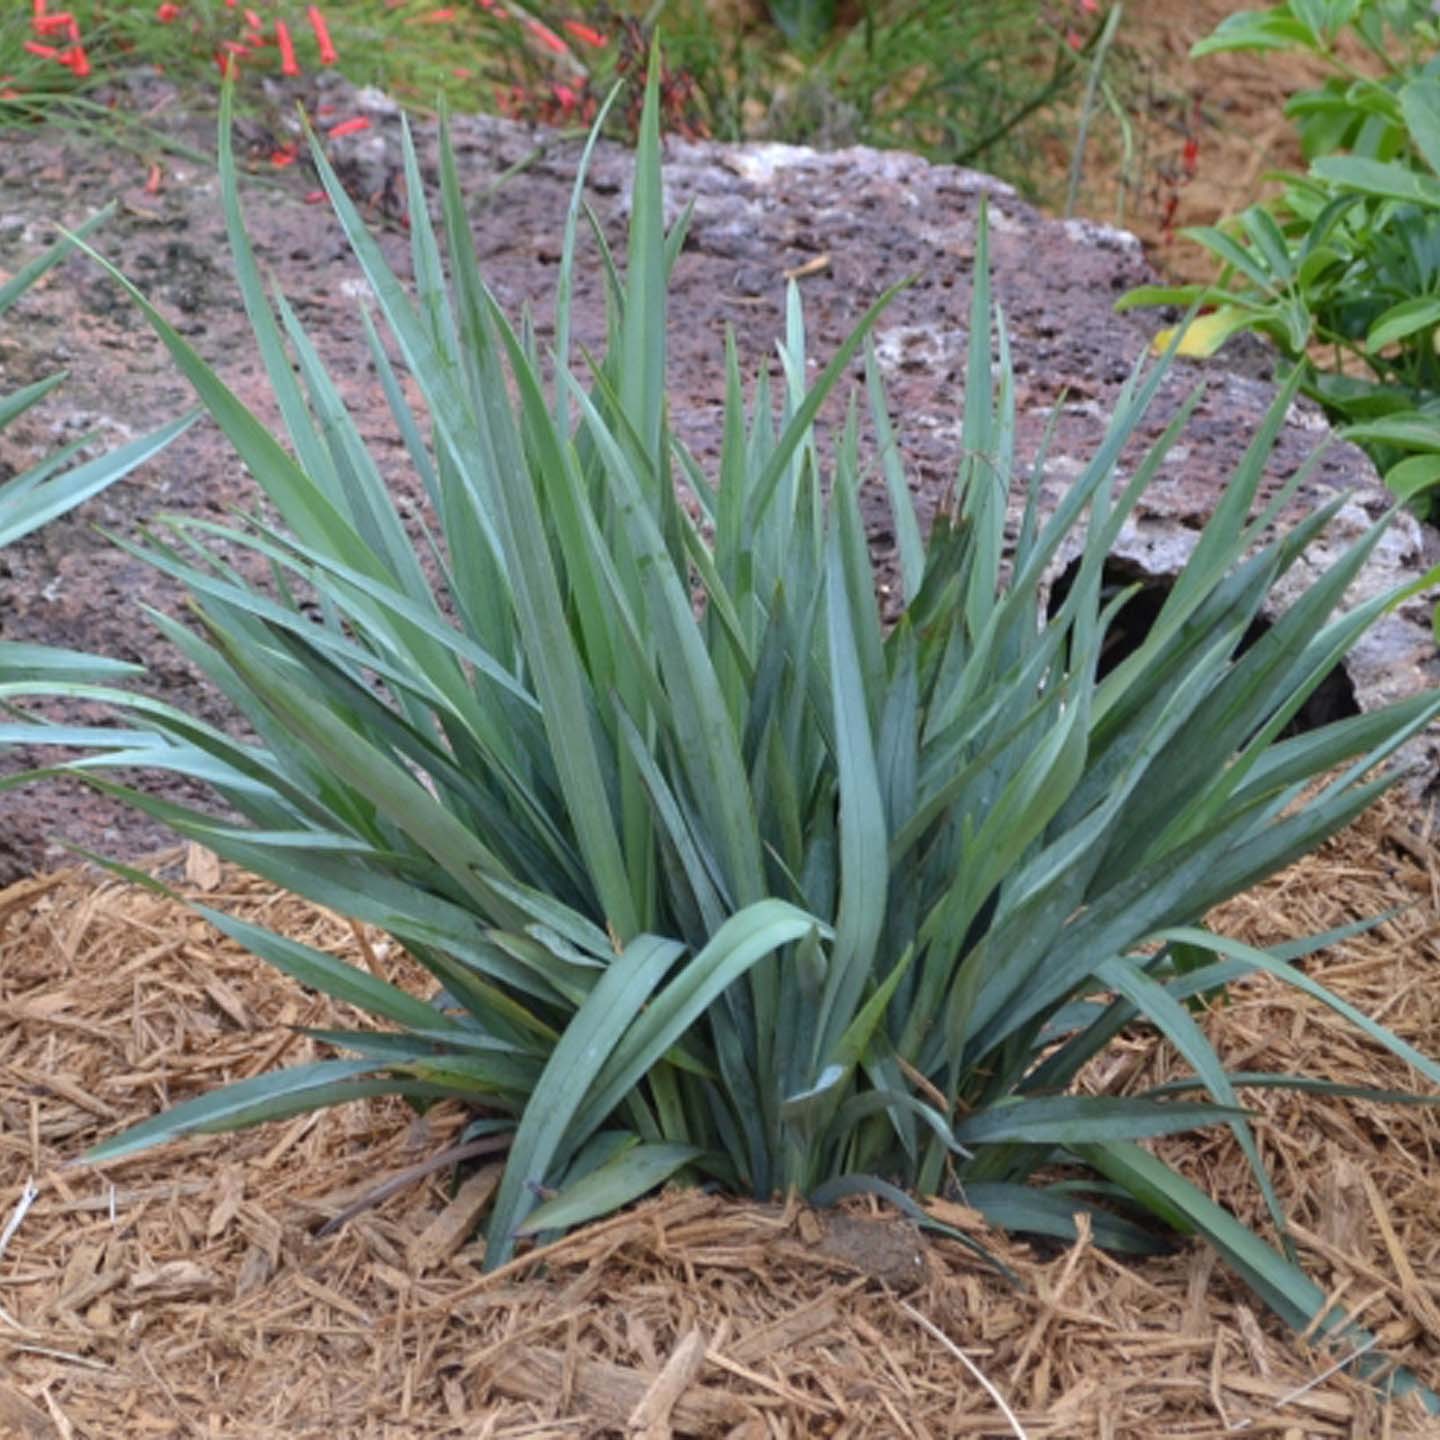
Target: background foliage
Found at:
x=1342, y=269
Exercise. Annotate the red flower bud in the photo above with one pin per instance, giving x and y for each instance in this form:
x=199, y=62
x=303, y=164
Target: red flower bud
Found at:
x=288, y=63
x=546, y=36
x=588, y=34
x=322, y=36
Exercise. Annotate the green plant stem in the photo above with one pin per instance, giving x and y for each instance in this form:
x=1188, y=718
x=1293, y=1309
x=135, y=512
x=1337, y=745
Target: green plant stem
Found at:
x=1087, y=108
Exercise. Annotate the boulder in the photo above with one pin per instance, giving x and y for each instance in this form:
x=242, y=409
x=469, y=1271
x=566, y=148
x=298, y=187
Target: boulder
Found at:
x=847, y=224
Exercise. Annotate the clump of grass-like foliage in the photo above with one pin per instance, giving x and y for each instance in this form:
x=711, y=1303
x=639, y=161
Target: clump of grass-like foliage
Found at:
x=746, y=887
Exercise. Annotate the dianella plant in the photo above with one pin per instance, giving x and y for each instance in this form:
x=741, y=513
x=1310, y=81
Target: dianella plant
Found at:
x=718, y=874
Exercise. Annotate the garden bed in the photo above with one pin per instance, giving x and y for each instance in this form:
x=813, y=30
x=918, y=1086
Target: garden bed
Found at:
x=187, y=1292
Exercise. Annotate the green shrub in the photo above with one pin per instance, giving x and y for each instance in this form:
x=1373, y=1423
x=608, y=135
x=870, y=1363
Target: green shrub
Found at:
x=717, y=876
x=49, y=489
x=1342, y=269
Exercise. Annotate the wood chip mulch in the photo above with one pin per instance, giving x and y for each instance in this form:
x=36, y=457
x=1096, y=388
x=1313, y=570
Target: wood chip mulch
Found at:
x=187, y=1292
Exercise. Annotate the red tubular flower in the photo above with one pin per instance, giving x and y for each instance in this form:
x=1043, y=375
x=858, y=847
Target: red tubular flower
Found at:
x=39, y=9
x=45, y=52
x=546, y=36
x=48, y=24
x=322, y=36
x=314, y=197
x=565, y=97
x=253, y=20
x=585, y=33
x=433, y=17
x=284, y=155
x=1075, y=40
x=167, y=12
x=1190, y=157
x=78, y=61
x=288, y=63
x=349, y=127
x=152, y=181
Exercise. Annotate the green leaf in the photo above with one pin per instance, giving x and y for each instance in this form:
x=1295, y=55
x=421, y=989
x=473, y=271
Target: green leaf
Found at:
x=1288, y=1291
x=1411, y=431
x=547, y=1137
x=633, y=1173
x=20, y=661
x=864, y=840
x=1421, y=312
x=744, y=939
x=1420, y=105
x=275, y=1096
x=1240, y=257
x=27, y=275
x=1274, y=29
x=43, y=503
x=1405, y=480
x=334, y=977
x=1085, y=1119
x=1269, y=241
x=1028, y=1210
x=1386, y=180
x=1292, y=975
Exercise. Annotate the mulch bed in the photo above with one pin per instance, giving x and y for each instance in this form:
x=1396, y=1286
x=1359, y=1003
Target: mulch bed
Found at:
x=188, y=1291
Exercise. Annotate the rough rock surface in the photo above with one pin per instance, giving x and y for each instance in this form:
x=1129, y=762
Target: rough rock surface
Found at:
x=875, y=218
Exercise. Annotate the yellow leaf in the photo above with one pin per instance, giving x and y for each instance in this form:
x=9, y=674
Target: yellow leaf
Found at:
x=1204, y=335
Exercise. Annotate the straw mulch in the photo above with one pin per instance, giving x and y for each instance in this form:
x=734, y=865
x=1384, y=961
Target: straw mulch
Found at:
x=188, y=1292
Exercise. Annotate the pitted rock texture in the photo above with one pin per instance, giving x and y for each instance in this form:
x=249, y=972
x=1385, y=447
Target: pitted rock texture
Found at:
x=852, y=222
